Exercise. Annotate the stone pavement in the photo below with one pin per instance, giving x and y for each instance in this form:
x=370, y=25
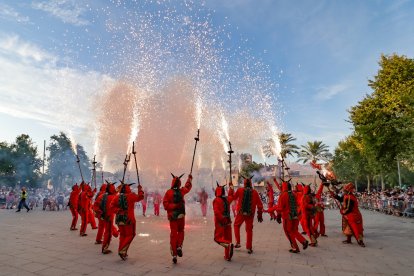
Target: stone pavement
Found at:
x=40, y=243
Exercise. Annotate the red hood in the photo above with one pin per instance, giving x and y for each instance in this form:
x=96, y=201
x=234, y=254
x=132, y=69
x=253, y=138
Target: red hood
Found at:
x=220, y=191
x=247, y=182
x=111, y=189
x=103, y=188
x=306, y=190
x=75, y=188
x=176, y=182
x=284, y=186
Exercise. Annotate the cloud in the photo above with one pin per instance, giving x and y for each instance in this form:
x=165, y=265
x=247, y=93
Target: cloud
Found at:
x=12, y=45
x=33, y=86
x=9, y=13
x=69, y=11
x=327, y=93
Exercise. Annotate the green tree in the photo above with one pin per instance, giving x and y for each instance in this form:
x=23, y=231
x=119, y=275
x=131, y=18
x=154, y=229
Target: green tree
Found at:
x=287, y=148
x=7, y=169
x=314, y=151
x=385, y=119
x=62, y=167
x=26, y=162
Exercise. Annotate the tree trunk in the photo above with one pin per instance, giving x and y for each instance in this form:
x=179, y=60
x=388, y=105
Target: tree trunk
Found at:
x=369, y=184
x=382, y=183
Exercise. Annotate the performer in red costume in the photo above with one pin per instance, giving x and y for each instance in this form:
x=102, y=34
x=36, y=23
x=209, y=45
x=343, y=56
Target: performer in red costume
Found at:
x=352, y=224
x=91, y=215
x=124, y=205
x=85, y=206
x=270, y=199
x=320, y=216
x=73, y=205
x=157, y=203
x=96, y=210
x=174, y=204
x=308, y=215
x=222, y=220
x=248, y=201
x=287, y=210
x=106, y=214
x=144, y=203
x=203, y=197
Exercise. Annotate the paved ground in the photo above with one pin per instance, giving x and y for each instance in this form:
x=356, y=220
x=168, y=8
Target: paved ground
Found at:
x=39, y=243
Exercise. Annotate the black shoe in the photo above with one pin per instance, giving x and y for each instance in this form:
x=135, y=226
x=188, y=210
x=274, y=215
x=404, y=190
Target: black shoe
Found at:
x=294, y=251
x=174, y=259
x=324, y=235
x=231, y=252
x=98, y=242
x=237, y=245
x=250, y=251
x=179, y=251
x=28, y=210
x=305, y=245
x=17, y=211
x=361, y=243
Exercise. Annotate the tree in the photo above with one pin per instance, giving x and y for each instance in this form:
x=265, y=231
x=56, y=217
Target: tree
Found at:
x=26, y=163
x=314, y=151
x=385, y=119
x=62, y=161
x=285, y=143
x=7, y=168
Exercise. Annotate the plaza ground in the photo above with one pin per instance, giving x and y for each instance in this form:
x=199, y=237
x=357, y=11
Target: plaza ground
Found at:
x=40, y=243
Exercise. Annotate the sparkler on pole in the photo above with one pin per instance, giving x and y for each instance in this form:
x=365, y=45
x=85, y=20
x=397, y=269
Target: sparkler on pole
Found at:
x=230, y=151
x=195, y=147
x=78, y=161
x=136, y=164
x=94, y=171
x=126, y=161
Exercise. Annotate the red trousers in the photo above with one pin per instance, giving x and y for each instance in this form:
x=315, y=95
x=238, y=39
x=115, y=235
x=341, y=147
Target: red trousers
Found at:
x=204, y=209
x=91, y=219
x=74, y=217
x=144, y=207
x=176, y=235
x=292, y=233
x=310, y=229
x=157, y=209
x=272, y=214
x=107, y=234
x=101, y=225
x=126, y=236
x=223, y=236
x=84, y=221
x=249, y=229
x=320, y=222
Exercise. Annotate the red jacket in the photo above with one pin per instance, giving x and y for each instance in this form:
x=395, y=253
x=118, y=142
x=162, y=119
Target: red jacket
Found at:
x=284, y=207
x=176, y=207
x=131, y=199
x=74, y=196
x=308, y=204
x=86, y=198
x=221, y=206
x=256, y=202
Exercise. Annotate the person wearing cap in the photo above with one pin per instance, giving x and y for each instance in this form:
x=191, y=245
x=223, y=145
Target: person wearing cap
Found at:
x=106, y=214
x=248, y=200
x=98, y=214
x=352, y=224
x=22, y=203
x=123, y=205
x=288, y=212
x=174, y=204
x=73, y=205
x=222, y=220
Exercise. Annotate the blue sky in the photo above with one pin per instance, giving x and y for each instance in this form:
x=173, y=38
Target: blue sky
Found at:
x=320, y=53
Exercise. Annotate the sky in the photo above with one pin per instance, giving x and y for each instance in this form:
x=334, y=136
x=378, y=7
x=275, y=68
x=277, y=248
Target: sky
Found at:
x=319, y=54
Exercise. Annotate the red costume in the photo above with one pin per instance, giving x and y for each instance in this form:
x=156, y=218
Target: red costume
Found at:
x=174, y=204
x=319, y=216
x=85, y=206
x=103, y=209
x=308, y=215
x=97, y=212
x=157, y=203
x=287, y=209
x=124, y=205
x=222, y=220
x=270, y=199
x=203, y=197
x=73, y=205
x=248, y=201
x=144, y=204
x=352, y=224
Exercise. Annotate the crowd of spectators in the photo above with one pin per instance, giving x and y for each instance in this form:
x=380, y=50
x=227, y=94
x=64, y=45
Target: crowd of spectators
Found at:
x=47, y=200
x=398, y=202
